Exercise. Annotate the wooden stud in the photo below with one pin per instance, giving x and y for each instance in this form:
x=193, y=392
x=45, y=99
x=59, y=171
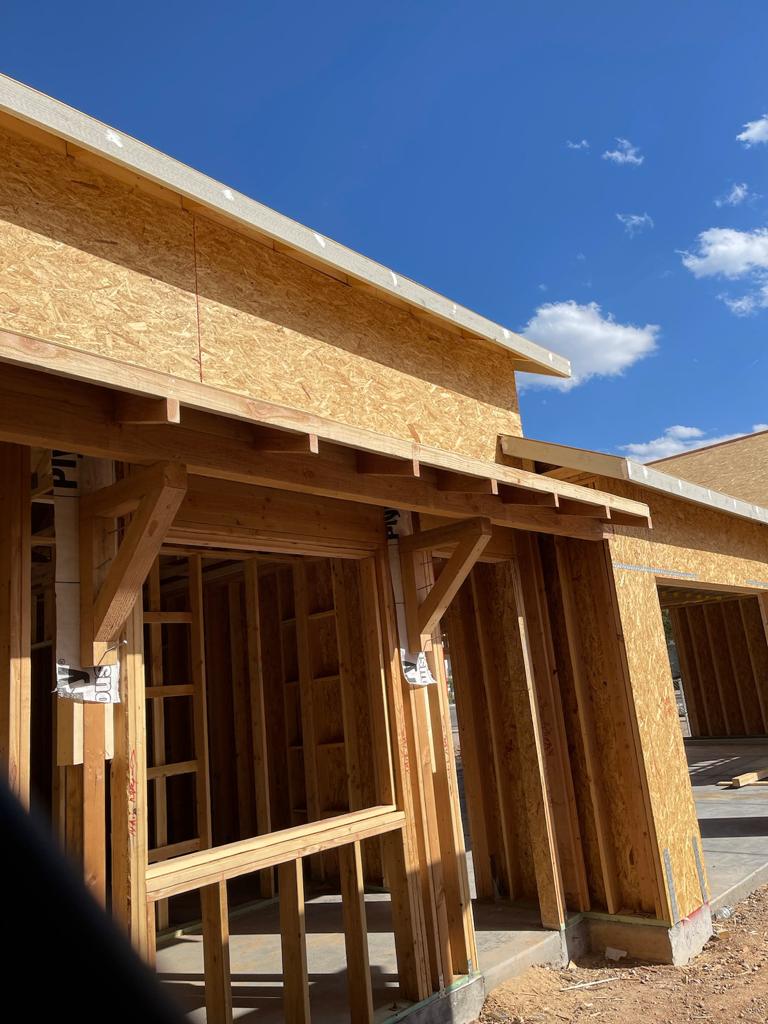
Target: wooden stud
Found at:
x=218, y=981
x=294, y=943
x=15, y=628
x=241, y=713
x=754, y=614
x=533, y=609
x=401, y=852
x=727, y=685
x=158, y=723
x=200, y=703
x=306, y=692
x=596, y=779
x=260, y=763
x=129, y=794
x=355, y=933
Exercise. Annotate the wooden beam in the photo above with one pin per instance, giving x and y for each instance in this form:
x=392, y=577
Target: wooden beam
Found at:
x=15, y=628
x=463, y=483
x=123, y=496
x=373, y=464
x=144, y=409
x=284, y=442
x=218, y=981
x=355, y=933
x=293, y=938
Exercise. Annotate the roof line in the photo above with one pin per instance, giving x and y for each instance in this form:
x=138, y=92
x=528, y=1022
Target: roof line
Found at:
x=51, y=115
x=707, y=447
x=618, y=467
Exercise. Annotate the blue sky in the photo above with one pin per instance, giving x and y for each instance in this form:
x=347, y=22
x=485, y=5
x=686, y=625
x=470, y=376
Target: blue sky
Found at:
x=434, y=138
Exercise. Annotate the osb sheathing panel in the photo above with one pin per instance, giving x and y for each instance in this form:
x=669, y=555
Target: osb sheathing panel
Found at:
x=88, y=262
x=660, y=737
x=95, y=262
x=739, y=467
x=714, y=547
x=274, y=328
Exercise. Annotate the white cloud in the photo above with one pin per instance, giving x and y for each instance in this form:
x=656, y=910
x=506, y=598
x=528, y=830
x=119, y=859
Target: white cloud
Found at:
x=679, y=439
x=625, y=153
x=635, y=222
x=581, y=144
x=746, y=305
x=596, y=344
x=725, y=252
x=739, y=192
x=754, y=132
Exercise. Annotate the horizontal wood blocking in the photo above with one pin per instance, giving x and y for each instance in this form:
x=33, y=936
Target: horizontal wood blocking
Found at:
x=167, y=618
x=146, y=409
x=285, y=442
x=371, y=463
x=217, y=437
x=196, y=870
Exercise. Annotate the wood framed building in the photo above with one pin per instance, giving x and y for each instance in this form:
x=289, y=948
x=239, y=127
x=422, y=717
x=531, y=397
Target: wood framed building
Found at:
x=270, y=466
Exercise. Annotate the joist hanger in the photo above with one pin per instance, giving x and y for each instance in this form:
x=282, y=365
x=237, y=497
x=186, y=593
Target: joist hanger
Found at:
x=468, y=539
x=153, y=497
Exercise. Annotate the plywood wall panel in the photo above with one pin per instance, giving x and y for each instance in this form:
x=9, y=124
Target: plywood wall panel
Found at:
x=92, y=258
x=660, y=738
x=706, y=545
x=90, y=262
x=276, y=329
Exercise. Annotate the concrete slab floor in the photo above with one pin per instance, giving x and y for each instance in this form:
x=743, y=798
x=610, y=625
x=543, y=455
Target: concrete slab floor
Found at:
x=733, y=822
x=506, y=936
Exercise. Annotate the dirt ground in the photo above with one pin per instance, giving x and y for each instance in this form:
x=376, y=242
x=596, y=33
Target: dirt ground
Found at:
x=728, y=981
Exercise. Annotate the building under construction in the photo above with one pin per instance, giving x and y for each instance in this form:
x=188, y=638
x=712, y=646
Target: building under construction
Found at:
x=267, y=515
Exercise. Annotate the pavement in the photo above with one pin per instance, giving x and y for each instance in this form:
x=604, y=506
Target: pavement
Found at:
x=733, y=822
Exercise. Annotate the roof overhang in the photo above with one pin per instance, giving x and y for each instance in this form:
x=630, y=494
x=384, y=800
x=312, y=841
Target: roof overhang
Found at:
x=564, y=463
x=278, y=446
x=47, y=114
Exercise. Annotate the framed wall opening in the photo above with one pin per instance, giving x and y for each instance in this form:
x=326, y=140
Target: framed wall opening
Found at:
x=718, y=649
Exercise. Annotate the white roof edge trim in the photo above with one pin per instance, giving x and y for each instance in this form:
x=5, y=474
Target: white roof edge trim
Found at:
x=619, y=467
x=72, y=125
x=675, y=486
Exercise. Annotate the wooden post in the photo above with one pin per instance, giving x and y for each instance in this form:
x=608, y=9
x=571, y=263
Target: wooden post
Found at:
x=294, y=943
x=218, y=983
x=129, y=794
x=15, y=635
x=355, y=933
x=401, y=850
x=258, y=715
